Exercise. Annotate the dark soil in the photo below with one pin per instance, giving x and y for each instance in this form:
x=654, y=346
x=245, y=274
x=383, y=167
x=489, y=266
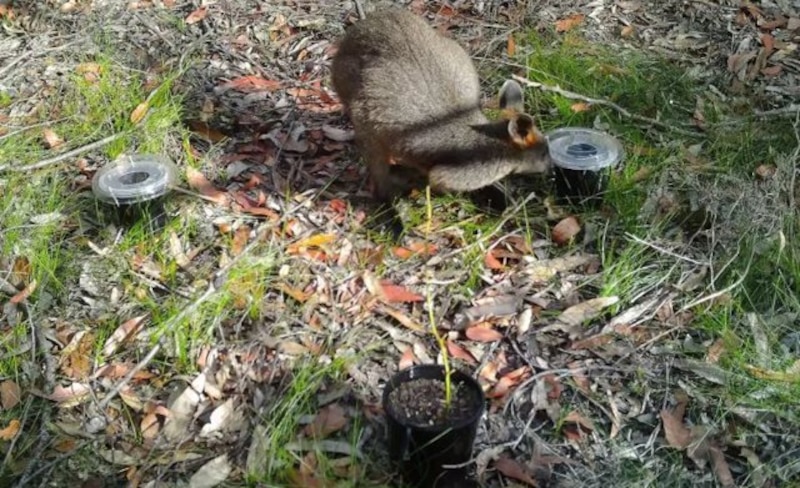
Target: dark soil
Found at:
x=422, y=402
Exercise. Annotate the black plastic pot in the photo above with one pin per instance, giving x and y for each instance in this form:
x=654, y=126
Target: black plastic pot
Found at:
x=421, y=452
x=133, y=188
x=583, y=160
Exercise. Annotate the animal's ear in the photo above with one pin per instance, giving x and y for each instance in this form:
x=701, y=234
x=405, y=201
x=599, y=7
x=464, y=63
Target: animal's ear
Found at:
x=523, y=131
x=511, y=97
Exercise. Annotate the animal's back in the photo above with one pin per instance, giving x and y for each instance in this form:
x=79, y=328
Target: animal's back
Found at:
x=394, y=72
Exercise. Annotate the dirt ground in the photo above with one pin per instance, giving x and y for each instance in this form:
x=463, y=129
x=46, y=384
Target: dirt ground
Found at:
x=569, y=405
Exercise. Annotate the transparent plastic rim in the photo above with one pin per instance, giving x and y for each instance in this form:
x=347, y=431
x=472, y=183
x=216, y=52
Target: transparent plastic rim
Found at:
x=134, y=179
x=580, y=148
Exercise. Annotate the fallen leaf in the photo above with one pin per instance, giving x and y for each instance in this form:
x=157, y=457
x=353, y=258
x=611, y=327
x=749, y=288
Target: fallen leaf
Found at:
x=569, y=23
x=139, y=112
x=483, y=334
x=396, y=293
x=401, y=317
x=514, y=470
x=492, y=262
x=122, y=334
x=766, y=171
x=198, y=181
x=792, y=374
x=10, y=394
x=721, y=468
x=580, y=107
x=677, y=434
x=24, y=294
x=576, y=418
x=565, y=230
x=511, y=46
x=197, y=15
x=52, y=139
x=251, y=83
x=212, y=473
x=772, y=71
x=317, y=240
x=627, y=31
x=456, y=351
x=716, y=351
x=76, y=357
x=330, y=419
x=295, y=293
x=407, y=359
x=10, y=431
x=578, y=314
x=240, y=240
x=337, y=134
x=69, y=395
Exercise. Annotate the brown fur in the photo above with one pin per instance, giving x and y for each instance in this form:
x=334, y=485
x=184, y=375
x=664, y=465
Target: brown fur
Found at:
x=413, y=96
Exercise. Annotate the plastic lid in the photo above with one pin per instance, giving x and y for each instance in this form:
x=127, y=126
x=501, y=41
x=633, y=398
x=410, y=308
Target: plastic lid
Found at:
x=134, y=179
x=580, y=149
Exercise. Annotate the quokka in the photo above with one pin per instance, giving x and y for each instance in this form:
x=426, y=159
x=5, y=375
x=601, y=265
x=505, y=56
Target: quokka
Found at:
x=413, y=96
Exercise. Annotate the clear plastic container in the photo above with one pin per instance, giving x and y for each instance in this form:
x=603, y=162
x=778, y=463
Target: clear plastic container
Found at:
x=133, y=179
x=582, y=159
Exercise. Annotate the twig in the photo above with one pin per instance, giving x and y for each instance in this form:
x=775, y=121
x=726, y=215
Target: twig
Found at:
x=792, y=109
x=605, y=103
x=29, y=127
x=61, y=157
x=663, y=250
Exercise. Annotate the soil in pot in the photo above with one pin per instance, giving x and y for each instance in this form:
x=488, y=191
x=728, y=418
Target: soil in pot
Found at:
x=421, y=402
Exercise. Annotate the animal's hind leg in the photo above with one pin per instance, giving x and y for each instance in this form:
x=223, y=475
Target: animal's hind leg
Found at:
x=489, y=198
x=386, y=188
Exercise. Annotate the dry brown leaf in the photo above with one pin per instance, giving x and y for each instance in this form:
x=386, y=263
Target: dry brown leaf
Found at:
x=627, y=31
x=580, y=107
x=566, y=230
x=299, y=295
x=197, y=15
x=69, y=395
x=198, y=181
x=791, y=375
x=76, y=357
x=317, y=240
x=139, y=112
x=399, y=294
x=772, y=71
x=716, y=351
x=510, y=468
x=766, y=171
x=10, y=431
x=576, y=418
x=407, y=359
x=52, y=139
x=677, y=434
x=24, y=294
x=569, y=23
x=123, y=333
x=479, y=333
x=492, y=262
x=511, y=46
x=252, y=83
x=721, y=468
x=330, y=419
x=10, y=394
x=456, y=351
x=240, y=240
x=401, y=317
x=578, y=314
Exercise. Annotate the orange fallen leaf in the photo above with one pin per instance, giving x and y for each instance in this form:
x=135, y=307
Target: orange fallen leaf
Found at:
x=576, y=418
x=479, y=333
x=197, y=15
x=240, y=238
x=295, y=293
x=139, y=112
x=511, y=46
x=407, y=359
x=566, y=230
x=508, y=381
x=330, y=419
x=715, y=352
x=10, y=431
x=580, y=107
x=398, y=293
x=198, y=181
x=459, y=352
x=401, y=317
x=52, y=139
x=491, y=262
x=569, y=23
x=24, y=294
x=627, y=31
x=514, y=470
x=252, y=83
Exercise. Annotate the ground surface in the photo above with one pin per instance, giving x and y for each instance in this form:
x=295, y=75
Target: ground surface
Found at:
x=247, y=342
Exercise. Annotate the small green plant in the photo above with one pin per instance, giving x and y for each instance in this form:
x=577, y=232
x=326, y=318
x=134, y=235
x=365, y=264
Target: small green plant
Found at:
x=431, y=316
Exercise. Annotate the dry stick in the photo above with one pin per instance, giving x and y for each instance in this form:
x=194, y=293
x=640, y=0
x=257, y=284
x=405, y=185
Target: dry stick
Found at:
x=664, y=250
x=792, y=109
x=605, y=103
x=66, y=155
